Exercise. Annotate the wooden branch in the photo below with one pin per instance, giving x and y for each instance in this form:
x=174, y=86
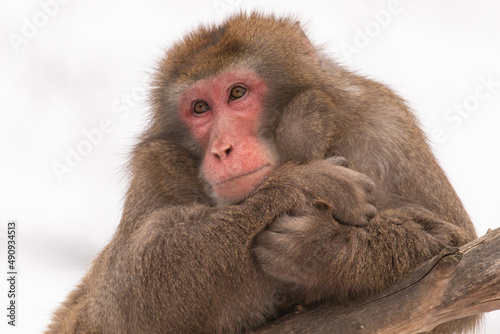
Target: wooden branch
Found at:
x=457, y=283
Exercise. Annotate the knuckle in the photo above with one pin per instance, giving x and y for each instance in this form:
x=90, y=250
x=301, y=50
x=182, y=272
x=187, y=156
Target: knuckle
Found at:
x=338, y=161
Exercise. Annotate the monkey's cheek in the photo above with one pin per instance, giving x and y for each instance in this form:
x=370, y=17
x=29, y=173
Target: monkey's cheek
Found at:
x=237, y=189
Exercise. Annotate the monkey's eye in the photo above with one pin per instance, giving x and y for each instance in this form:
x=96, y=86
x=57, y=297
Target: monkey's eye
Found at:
x=237, y=92
x=200, y=107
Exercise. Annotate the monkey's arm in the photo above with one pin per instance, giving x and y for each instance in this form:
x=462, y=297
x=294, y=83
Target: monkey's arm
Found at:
x=171, y=272
x=328, y=259
x=180, y=262
x=419, y=212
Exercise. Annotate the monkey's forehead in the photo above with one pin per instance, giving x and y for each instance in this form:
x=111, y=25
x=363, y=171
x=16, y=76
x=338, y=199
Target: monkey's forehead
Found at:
x=251, y=38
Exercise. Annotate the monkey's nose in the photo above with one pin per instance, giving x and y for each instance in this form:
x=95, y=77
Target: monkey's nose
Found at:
x=222, y=153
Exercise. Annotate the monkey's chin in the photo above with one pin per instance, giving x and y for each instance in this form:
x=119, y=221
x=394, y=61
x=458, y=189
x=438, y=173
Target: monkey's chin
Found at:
x=237, y=188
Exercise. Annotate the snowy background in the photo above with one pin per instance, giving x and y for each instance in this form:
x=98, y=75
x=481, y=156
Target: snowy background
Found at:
x=72, y=82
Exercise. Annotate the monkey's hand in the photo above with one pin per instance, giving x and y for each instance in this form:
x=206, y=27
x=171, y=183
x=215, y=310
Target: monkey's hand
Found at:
x=330, y=185
x=353, y=202
x=321, y=258
x=296, y=248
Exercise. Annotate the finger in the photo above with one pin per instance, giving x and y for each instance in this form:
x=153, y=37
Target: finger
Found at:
x=371, y=211
x=371, y=199
x=368, y=183
x=362, y=221
x=338, y=161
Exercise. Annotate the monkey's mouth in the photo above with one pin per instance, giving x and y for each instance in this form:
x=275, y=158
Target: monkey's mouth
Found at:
x=236, y=188
x=232, y=178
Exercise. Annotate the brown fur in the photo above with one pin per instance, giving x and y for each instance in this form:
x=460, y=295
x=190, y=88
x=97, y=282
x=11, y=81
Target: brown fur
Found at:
x=180, y=264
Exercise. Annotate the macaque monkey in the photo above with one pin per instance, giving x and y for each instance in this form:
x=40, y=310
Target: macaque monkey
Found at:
x=269, y=177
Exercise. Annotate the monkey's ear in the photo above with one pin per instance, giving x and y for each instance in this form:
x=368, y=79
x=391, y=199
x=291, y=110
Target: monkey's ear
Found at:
x=306, y=45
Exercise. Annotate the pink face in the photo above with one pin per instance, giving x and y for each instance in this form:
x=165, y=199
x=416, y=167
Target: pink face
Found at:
x=223, y=114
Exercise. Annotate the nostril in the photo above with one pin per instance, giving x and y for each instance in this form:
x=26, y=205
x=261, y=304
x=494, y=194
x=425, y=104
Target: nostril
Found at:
x=222, y=153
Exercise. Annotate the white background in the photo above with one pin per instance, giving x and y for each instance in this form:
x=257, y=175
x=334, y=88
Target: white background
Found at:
x=88, y=59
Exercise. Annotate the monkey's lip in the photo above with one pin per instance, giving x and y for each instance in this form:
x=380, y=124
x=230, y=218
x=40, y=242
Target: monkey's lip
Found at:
x=232, y=178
